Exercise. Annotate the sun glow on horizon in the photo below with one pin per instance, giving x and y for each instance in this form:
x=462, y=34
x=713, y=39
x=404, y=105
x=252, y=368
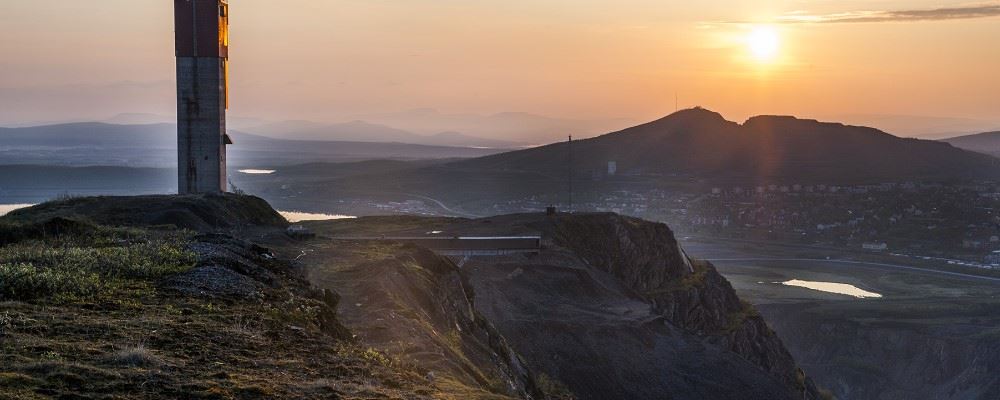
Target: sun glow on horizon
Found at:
x=763, y=42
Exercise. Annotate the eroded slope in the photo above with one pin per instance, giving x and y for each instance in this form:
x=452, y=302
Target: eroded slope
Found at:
x=612, y=308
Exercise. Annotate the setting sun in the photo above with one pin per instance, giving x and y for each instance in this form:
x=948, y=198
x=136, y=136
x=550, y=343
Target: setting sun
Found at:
x=763, y=43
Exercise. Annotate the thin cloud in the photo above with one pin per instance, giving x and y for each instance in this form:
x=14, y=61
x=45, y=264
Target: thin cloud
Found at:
x=937, y=14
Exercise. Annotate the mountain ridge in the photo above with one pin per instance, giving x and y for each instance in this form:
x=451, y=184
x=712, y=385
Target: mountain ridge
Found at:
x=703, y=144
x=153, y=145
x=985, y=142
x=364, y=131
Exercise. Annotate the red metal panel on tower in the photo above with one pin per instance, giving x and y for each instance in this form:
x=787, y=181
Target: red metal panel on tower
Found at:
x=201, y=28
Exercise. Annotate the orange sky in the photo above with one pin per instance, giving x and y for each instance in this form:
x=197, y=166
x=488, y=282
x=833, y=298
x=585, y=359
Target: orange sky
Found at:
x=333, y=60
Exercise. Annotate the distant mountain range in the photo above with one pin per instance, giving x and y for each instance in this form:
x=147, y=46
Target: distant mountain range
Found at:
x=701, y=143
x=154, y=145
x=691, y=146
x=986, y=143
x=361, y=131
x=518, y=127
x=508, y=130
x=236, y=123
x=690, y=150
x=923, y=127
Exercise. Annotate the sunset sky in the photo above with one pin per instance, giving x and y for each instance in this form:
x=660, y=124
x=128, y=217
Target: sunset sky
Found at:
x=333, y=60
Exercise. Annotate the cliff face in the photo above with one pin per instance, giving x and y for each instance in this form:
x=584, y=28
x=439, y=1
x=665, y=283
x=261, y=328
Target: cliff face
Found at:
x=416, y=308
x=609, y=308
x=449, y=304
x=693, y=296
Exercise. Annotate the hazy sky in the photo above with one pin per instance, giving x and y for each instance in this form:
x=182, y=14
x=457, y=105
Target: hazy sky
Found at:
x=333, y=59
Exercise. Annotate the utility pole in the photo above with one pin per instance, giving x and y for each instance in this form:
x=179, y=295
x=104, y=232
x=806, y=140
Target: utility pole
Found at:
x=570, y=172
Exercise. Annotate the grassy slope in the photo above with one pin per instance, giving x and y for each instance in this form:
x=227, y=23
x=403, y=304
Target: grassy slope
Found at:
x=84, y=315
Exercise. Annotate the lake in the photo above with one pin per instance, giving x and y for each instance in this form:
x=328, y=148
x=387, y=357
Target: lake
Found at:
x=832, y=287
x=298, y=216
x=291, y=216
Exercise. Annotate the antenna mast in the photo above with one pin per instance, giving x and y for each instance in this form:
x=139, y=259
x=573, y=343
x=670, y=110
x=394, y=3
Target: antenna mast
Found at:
x=570, y=174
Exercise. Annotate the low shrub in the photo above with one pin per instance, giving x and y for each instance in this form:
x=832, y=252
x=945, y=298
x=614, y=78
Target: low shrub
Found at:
x=27, y=282
x=135, y=356
x=108, y=260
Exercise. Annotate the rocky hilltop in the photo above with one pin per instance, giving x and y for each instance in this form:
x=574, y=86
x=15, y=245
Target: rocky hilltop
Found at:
x=611, y=307
x=690, y=294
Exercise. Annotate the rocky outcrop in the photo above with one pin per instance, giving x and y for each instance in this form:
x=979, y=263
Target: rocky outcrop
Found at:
x=234, y=270
x=706, y=303
x=645, y=256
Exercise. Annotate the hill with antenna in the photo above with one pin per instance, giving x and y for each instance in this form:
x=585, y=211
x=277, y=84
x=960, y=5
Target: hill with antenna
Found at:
x=702, y=144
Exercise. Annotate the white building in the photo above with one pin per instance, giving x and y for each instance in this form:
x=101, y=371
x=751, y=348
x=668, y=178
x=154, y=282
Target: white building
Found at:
x=881, y=246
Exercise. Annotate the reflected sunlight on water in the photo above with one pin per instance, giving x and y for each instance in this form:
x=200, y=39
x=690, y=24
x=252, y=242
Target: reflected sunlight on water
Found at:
x=830, y=287
x=257, y=171
x=291, y=216
x=296, y=216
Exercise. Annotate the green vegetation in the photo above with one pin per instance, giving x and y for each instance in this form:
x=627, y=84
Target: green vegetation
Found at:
x=737, y=319
x=105, y=264
x=687, y=282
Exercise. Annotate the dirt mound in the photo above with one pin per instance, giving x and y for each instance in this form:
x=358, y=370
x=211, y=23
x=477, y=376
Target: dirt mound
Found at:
x=203, y=213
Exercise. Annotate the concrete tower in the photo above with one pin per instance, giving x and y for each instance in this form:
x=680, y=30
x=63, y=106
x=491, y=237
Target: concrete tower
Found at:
x=201, y=30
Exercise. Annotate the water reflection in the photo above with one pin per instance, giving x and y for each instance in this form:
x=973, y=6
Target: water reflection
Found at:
x=830, y=287
x=291, y=216
x=257, y=171
x=296, y=216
